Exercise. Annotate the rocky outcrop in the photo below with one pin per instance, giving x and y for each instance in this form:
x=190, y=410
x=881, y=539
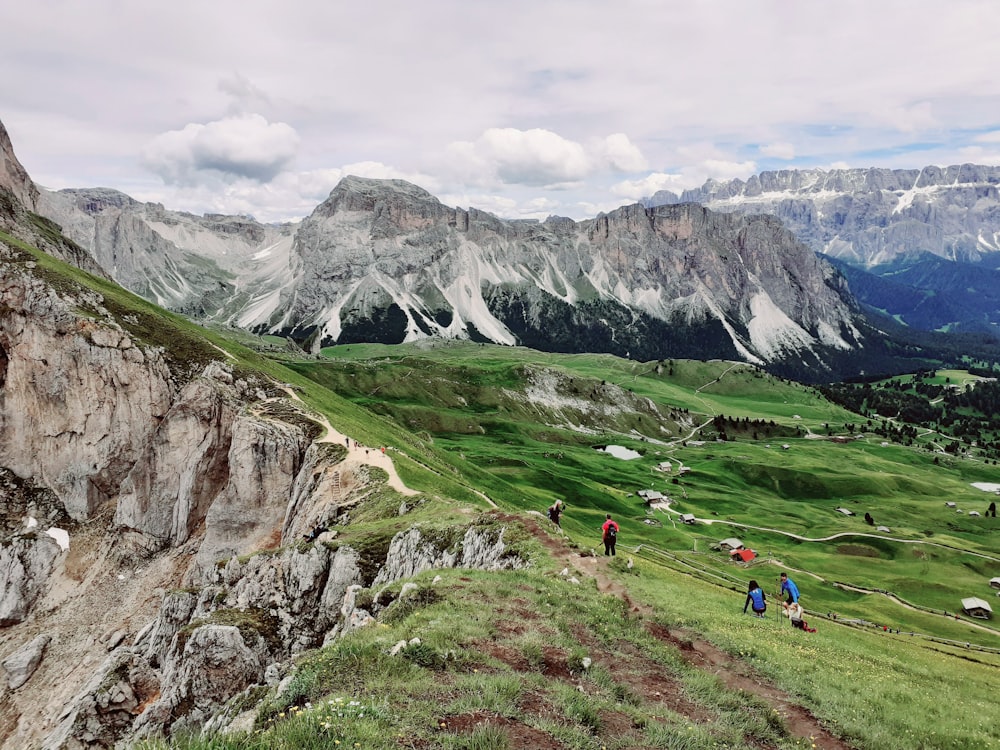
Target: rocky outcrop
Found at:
x=105, y=709
x=26, y=560
x=215, y=663
x=412, y=552
x=78, y=397
x=21, y=664
x=264, y=462
x=240, y=627
x=13, y=177
x=165, y=496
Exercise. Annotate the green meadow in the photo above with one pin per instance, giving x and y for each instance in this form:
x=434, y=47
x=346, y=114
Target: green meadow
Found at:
x=536, y=658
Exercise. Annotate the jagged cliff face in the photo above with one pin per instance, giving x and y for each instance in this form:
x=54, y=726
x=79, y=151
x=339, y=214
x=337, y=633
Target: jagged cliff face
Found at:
x=151, y=506
x=13, y=177
x=224, y=268
x=870, y=217
x=385, y=258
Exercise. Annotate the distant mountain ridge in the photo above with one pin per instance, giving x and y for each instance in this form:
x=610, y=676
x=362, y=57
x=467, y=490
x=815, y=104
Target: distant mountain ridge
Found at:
x=869, y=217
x=927, y=232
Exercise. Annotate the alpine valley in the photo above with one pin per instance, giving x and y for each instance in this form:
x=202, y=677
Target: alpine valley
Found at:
x=289, y=491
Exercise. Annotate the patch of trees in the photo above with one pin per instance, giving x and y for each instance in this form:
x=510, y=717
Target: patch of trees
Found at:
x=969, y=415
x=729, y=428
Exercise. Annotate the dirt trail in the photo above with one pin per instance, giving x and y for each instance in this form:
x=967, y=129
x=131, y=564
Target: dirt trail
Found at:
x=696, y=651
x=363, y=454
x=356, y=453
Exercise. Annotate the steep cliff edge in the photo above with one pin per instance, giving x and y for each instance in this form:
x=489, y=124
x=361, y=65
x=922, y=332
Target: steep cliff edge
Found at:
x=155, y=493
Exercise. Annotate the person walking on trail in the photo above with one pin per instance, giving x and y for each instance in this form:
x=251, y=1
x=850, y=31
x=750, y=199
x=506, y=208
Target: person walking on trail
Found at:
x=609, y=536
x=555, y=510
x=756, y=598
x=789, y=590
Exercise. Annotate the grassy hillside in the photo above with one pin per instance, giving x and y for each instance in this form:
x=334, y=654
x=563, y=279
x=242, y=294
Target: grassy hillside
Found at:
x=649, y=649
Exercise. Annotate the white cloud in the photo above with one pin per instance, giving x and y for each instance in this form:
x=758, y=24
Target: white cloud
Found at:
x=722, y=169
x=621, y=154
x=991, y=137
x=521, y=157
x=650, y=184
x=241, y=146
x=979, y=155
x=539, y=158
x=779, y=150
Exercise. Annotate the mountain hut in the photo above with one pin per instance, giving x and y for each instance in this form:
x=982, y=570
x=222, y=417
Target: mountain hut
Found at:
x=976, y=607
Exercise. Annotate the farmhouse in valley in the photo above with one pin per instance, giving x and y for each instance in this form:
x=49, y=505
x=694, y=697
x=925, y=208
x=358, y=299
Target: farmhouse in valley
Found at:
x=976, y=607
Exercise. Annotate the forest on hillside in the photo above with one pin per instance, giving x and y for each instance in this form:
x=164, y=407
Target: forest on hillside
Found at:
x=967, y=413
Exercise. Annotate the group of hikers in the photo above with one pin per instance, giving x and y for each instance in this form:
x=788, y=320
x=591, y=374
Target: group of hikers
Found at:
x=791, y=608
x=756, y=599
x=609, y=529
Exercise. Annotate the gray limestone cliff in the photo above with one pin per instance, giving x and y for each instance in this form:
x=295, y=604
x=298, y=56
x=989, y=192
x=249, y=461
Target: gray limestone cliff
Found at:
x=13, y=177
x=871, y=216
x=155, y=500
x=384, y=260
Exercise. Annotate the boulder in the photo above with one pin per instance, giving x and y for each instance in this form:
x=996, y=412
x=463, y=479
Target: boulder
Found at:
x=21, y=664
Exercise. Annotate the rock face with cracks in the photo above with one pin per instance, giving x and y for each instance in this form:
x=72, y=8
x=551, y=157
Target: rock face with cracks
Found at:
x=186, y=581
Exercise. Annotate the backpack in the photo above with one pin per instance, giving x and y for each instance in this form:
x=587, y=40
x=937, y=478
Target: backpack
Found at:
x=612, y=533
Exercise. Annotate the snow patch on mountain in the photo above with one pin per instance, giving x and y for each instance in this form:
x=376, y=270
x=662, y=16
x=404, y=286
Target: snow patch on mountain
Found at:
x=772, y=331
x=706, y=298
x=906, y=197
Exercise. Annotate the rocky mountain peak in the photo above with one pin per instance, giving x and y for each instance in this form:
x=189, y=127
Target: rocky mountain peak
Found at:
x=96, y=200
x=13, y=176
x=354, y=193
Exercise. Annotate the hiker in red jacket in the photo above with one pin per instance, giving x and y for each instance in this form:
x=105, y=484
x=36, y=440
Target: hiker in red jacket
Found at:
x=609, y=536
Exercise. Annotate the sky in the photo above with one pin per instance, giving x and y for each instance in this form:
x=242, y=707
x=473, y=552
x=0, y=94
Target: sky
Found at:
x=524, y=109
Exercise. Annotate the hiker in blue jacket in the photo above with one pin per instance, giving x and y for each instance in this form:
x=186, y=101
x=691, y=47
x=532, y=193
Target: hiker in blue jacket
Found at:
x=789, y=590
x=755, y=597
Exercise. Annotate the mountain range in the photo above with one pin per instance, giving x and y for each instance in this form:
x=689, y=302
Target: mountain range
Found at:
x=385, y=261
x=932, y=234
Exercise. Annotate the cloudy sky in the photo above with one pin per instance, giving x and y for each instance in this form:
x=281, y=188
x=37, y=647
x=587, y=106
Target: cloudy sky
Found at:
x=522, y=108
